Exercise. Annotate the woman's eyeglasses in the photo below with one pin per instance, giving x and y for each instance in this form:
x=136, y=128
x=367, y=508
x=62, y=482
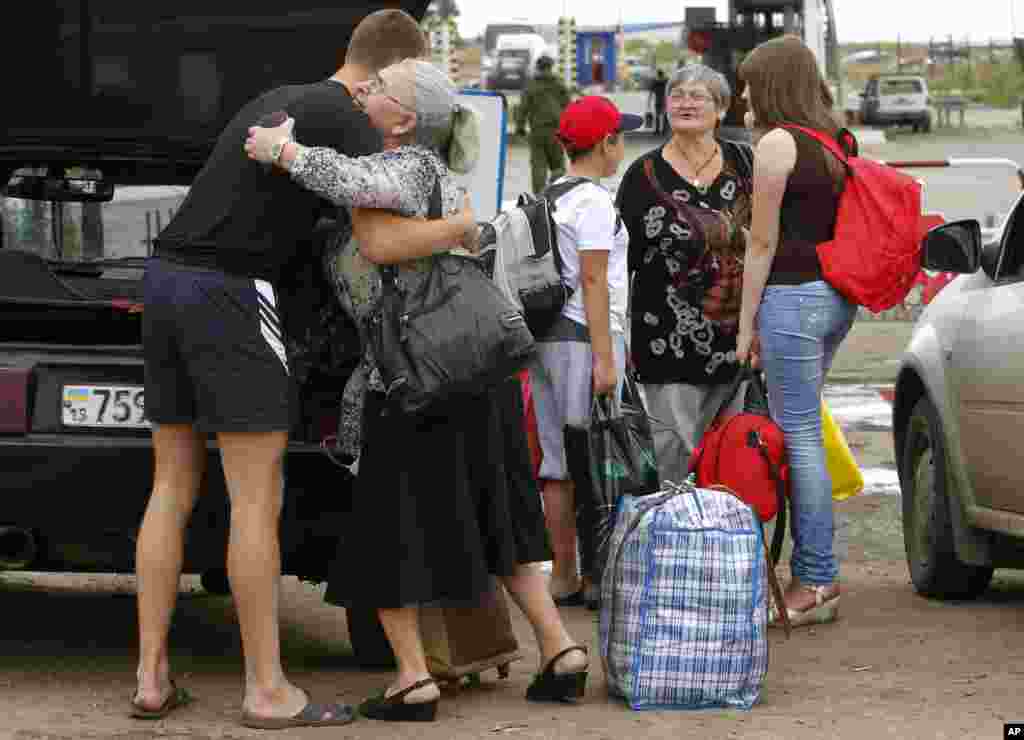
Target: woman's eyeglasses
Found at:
x=678, y=97
x=376, y=86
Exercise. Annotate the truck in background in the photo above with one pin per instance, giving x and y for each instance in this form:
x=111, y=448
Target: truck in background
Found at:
x=516, y=60
x=490, y=44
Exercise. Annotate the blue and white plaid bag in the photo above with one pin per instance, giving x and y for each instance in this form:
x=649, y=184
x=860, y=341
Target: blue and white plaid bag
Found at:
x=684, y=602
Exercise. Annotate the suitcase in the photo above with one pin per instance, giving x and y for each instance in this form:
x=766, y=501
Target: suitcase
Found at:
x=460, y=641
x=464, y=640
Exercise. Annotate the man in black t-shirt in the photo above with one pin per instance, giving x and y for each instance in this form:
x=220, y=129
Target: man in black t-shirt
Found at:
x=215, y=363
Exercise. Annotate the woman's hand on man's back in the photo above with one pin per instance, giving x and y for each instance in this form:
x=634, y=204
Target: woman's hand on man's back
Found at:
x=466, y=217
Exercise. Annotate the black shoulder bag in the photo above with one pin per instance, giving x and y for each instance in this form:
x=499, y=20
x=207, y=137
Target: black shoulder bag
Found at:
x=456, y=334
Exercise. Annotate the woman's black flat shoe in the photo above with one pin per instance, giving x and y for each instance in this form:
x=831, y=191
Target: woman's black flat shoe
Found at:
x=574, y=599
x=551, y=686
x=394, y=709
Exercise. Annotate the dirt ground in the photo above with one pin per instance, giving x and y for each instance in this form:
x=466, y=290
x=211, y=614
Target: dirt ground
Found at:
x=895, y=665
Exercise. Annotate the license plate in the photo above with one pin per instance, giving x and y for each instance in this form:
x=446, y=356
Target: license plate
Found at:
x=104, y=406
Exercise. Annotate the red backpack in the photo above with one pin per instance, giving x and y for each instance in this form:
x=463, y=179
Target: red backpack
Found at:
x=746, y=452
x=875, y=255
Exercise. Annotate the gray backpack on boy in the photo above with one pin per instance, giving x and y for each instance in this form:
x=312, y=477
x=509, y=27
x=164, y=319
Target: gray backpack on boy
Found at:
x=520, y=248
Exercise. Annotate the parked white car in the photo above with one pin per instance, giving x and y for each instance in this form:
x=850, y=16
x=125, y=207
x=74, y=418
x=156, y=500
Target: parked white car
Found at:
x=958, y=414
x=897, y=100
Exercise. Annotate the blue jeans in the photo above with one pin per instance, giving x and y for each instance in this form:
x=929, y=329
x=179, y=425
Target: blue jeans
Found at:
x=800, y=327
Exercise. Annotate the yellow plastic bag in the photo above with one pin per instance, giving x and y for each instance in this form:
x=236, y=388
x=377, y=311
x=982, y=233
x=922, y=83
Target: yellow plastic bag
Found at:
x=842, y=467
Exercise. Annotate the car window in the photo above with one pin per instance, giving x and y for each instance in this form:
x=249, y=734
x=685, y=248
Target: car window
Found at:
x=1011, y=261
x=901, y=87
x=123, y=227
x=121, y=65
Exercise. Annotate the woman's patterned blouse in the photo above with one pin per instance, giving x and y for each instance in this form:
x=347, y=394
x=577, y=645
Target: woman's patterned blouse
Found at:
x=686, y=250
x=400, y=180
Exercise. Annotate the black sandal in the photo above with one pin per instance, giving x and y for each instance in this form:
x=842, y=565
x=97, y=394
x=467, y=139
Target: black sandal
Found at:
x=394, y=709
x=574, y=599
x=563, y=687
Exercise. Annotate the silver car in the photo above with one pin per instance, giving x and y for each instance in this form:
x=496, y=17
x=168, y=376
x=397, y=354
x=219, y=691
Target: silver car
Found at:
x=958, y=414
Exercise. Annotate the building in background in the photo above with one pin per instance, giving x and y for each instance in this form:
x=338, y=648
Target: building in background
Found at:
x=597, y=55
x=723, y=45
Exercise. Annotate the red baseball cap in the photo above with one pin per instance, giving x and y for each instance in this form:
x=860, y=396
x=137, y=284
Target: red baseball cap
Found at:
x=587, y=120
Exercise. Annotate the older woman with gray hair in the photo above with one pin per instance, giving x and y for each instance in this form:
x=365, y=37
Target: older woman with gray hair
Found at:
x=442, y=501
x=686, y=205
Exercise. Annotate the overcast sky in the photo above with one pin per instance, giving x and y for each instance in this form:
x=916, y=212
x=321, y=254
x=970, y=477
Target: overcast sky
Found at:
x=857, y=20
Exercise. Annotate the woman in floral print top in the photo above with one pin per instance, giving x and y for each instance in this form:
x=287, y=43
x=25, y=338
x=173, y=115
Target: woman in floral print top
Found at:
x=687, y=208
x=445, y=501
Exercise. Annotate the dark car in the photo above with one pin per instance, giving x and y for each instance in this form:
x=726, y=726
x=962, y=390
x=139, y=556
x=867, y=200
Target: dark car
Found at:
x=111, y=110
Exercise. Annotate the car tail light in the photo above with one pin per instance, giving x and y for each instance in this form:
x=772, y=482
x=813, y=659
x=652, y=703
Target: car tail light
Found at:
x=123, y=304
x=14, y=389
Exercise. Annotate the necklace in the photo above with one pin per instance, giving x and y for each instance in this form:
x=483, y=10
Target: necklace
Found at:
x=702, y=189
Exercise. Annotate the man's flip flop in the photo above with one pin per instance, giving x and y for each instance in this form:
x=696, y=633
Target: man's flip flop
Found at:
x=177, y=698
x=312, y=715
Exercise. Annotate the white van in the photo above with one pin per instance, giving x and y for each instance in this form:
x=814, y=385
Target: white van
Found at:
x=516, y=60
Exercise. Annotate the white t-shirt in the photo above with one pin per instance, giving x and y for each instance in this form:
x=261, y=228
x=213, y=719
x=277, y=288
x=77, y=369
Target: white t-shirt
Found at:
x=587, y=219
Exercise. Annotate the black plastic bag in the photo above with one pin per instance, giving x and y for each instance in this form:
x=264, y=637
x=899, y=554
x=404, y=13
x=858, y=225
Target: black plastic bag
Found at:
x=635, y=413
x=608, y=459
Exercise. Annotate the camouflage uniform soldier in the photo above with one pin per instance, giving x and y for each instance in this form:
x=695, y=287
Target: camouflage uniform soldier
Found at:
x=543, y=101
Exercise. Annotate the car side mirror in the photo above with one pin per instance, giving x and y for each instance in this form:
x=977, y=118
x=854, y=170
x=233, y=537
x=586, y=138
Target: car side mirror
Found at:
x=990, y=259
x=953, y=247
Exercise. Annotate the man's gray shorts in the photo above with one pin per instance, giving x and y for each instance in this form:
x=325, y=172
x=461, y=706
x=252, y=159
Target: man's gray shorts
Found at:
x=561, y=378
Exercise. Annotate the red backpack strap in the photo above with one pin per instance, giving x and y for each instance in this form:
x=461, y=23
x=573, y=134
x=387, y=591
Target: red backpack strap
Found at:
x=824, y=139
x=780, y=494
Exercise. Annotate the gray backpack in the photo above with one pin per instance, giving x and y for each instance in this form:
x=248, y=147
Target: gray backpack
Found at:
x=520, y=251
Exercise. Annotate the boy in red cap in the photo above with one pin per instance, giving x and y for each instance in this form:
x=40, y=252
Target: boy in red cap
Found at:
x=583, y=355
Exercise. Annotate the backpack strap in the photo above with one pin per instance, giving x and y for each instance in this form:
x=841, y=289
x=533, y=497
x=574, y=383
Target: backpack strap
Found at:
x=434, y=210
x=780, y=494
x=843, y=146
x=556, y=190
x=744, y=373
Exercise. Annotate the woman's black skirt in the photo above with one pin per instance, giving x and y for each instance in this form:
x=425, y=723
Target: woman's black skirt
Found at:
x=442, y=502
